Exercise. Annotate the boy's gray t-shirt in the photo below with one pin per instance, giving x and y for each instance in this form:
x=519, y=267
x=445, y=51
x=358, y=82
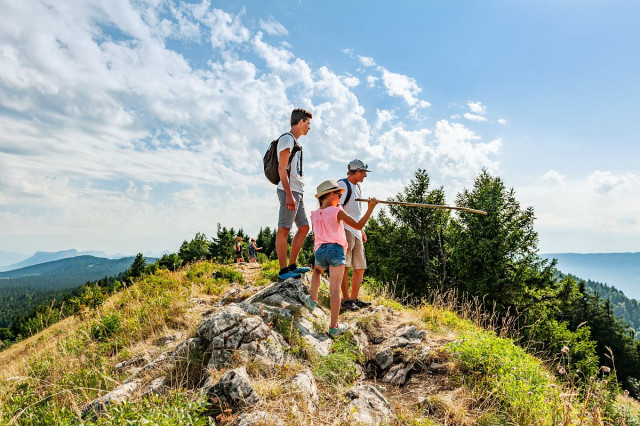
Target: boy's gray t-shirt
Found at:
x=352, y=208
x=296, y=181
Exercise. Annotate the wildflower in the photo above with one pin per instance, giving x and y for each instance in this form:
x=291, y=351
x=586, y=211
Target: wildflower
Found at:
x=561, y=370
x=605, y=369
x=565, y=350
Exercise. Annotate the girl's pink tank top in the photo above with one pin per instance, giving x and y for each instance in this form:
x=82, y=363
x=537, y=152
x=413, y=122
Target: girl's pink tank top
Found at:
x=326, y=228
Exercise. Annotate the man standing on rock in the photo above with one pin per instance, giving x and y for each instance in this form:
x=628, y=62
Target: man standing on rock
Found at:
x=290, y=193
x=355, y=257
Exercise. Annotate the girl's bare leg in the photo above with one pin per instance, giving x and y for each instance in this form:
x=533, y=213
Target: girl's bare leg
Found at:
x=336, y=273
x=315, y=283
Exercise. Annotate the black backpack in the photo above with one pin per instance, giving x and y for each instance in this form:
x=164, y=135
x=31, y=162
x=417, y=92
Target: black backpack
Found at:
x=270, y=159
x=348, y=197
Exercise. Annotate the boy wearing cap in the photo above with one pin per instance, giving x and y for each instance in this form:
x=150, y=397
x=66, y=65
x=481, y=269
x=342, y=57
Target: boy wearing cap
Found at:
x=290, y=194
x=355, y=256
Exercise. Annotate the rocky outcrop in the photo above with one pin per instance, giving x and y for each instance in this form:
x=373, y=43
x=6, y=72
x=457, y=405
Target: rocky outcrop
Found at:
x=399, y=355
x=367, y=406
x=120, y=394
x=241, y=329
x=305, y=385
x=233, y=391
x=233, y=331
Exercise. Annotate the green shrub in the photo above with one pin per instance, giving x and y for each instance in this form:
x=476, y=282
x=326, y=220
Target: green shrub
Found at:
x=106, y=326
x=339, y=367
x=506, y=374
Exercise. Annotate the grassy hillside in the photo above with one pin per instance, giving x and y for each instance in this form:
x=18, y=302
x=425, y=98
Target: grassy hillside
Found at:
x=475, y=377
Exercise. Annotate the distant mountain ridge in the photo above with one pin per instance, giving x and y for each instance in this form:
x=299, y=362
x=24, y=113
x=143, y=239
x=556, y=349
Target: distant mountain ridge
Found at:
x=618, y=270
x=46, y=256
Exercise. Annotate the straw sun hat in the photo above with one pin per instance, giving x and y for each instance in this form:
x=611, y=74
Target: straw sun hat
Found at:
x=328, y=186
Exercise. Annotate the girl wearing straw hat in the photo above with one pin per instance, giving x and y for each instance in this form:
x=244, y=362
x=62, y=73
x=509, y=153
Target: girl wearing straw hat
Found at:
x=330, y=243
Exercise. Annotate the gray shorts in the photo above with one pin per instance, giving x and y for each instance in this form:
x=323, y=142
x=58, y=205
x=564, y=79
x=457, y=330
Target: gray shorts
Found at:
x=286, y=217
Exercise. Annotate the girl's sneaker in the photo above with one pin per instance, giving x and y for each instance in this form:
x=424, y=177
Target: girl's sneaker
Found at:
x=339, y=330
x=306, y=300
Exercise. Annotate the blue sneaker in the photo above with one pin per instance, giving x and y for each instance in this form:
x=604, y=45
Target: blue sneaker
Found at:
x=301, y=270
x=339, y=330
x=306, y=300
x=290, y=274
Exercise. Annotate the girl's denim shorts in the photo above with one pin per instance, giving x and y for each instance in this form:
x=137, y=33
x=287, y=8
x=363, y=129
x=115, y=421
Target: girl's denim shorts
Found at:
x=330, y=255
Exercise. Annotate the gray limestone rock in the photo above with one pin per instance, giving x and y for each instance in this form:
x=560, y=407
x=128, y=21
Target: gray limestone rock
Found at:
x=367, y=405
x=233, y=390
x=120, y=394
x=157, y=386
x=305, y=384
x=257, y=418
x=232, y=331
x=384, y=358
x=397, y=374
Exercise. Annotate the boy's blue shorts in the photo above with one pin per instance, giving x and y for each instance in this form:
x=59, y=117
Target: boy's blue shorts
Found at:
x=330, y=255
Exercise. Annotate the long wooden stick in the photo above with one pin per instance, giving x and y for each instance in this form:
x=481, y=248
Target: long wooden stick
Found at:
x=430, y=206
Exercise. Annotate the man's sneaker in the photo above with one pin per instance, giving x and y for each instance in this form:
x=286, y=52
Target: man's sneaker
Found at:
x=361, y=303
x=339, y=330
x=289, y=274
x=348, y=305
x=300, y=270
x=306, y=300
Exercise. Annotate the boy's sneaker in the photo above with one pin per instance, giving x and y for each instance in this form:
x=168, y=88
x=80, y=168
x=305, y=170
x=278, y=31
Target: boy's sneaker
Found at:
x=306, y=300
x=361, y=303
x=287, y=275
x=300, y=270
x=349, y=305
x=339, y=330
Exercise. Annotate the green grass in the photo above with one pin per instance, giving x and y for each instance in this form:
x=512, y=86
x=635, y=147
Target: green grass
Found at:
x=339, y=367
x=505, y=374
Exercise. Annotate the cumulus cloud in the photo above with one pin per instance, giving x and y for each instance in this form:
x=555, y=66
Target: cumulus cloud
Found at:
x=452, y=152
x=404, y=87
x=554, y=177
x=607, y=182
x=502, y=121
x=367, y=61
x=474, y=117
x=477, y=108
x=273, y=27
x=110, y=131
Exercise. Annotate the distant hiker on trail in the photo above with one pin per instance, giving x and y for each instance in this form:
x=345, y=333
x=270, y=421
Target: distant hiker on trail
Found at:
x=238, y=248
x=355, y=257
x=330, y=244
x=290, y=193
x=252, y=251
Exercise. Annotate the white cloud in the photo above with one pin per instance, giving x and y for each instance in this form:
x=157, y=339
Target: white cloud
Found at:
x=502, y=121
x=477, y=108
x=367, y=61
x=453, y=152
x=554, y=177
x=110, y=132
x=403, y=86
x=383, y=117
x=607, y=182
x=273, y=27
x=350, y=81
x=474, y=117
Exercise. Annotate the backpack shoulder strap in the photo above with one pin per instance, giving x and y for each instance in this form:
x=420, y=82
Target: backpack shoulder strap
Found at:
x=348, y=197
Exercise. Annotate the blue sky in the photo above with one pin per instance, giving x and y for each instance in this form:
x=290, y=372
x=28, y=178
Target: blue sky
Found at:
x=130, y=126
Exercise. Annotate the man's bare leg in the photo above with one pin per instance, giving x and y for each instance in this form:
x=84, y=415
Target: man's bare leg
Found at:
x=296, y=245
x=281, y=246
x=356, y=281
